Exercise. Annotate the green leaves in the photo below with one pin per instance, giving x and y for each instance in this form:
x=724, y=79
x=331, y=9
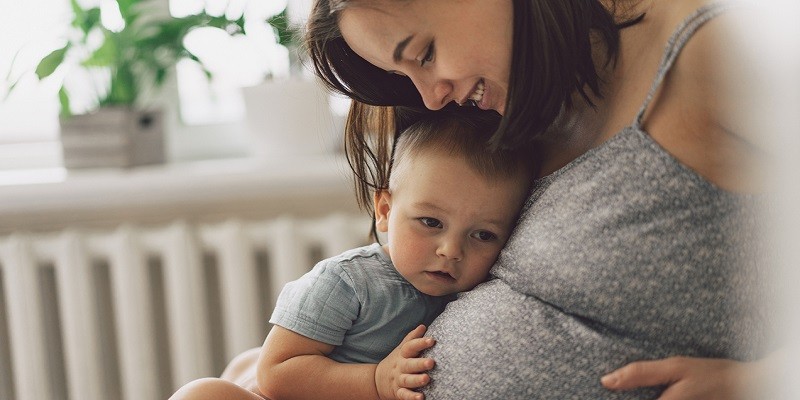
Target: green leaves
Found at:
x=85, y=20
x=49, y=64
x=63, y=98
x=140, y=55
x=104, y=56
x=124, y=86
x=126, y=9
x=286, y=34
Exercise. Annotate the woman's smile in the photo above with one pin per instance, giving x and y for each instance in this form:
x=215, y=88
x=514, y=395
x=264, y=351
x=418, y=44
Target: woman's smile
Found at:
x=466, y=69
x=477, y=93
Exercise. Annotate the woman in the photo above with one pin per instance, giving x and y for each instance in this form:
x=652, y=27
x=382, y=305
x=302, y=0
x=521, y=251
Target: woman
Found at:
x=634, y=246
x=637, y=242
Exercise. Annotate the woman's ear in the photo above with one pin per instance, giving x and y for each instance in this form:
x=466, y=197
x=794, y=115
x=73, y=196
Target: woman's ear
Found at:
x=382, y=203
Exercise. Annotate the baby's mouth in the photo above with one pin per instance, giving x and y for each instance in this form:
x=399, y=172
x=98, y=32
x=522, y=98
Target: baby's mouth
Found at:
x=442, y=275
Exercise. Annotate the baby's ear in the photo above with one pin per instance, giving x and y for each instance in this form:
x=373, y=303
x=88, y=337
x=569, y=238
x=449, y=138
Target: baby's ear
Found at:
x=382, y=203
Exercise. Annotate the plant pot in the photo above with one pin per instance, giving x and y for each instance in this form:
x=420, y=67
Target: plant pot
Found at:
x=113, y=137
x=290, y=117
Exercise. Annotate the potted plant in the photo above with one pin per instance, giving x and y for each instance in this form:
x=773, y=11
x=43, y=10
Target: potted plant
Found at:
x=135, y=57
x=299, y=120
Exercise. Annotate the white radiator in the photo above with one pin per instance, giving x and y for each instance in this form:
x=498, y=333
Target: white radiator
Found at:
x=133, y=313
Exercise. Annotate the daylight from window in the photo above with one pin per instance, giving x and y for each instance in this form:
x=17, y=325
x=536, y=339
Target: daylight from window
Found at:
x=31, y=29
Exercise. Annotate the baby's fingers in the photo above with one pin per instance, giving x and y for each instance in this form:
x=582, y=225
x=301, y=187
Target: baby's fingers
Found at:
x=413, y=381
x=415, y=365
x=413, y=347
x=405, y=394
x=414, y=334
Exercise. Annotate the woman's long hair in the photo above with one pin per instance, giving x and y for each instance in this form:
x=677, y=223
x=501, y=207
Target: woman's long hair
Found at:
x=552, y=60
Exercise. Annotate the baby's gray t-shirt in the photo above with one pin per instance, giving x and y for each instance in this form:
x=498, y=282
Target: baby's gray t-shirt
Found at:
x=358, y=302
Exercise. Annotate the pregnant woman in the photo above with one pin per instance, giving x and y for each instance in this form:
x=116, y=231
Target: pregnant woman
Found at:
x=639, y=240
x=637, y=250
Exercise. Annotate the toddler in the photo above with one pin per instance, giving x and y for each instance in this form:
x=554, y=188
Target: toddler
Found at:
x=342, y=330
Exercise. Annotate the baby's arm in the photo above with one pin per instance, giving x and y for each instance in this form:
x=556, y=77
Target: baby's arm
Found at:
x=293, y=366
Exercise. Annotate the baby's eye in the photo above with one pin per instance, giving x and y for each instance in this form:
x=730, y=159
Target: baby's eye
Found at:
x=431, y=222
x=484, y=236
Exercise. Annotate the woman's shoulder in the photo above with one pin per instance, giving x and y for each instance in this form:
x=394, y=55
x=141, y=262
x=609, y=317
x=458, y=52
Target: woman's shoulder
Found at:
x=713, y=44
x=717, y=67
x=694, y=114
x=710, y=39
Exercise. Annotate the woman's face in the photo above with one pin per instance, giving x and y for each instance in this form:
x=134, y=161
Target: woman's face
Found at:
x=453, y=50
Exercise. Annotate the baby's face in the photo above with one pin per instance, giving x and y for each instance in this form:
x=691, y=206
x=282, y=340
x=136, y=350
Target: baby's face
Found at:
x=446, y=223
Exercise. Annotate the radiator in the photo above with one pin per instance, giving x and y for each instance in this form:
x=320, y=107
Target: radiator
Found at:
x=135, y=312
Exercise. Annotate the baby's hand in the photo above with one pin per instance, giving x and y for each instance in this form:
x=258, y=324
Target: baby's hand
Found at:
x=400, y=371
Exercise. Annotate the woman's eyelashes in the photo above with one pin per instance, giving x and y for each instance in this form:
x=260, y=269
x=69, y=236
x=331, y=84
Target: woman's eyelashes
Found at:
x=424, y=59
x=428, y=56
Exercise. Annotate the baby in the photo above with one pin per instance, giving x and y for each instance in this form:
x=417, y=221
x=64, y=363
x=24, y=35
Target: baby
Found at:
x=342, y=330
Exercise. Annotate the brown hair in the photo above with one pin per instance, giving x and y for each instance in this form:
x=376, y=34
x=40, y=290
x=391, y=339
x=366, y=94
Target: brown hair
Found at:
x=458, y=132
x=463, y=134
x=552, y=60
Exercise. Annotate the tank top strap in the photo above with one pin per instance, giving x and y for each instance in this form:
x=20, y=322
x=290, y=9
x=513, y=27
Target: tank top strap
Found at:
x=676, y=43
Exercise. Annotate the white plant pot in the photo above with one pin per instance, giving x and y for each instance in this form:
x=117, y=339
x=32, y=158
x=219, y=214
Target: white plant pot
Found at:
x=113, y=137
x=289, y=118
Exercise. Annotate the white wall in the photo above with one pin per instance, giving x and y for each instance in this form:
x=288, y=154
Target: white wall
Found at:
x=772, y=39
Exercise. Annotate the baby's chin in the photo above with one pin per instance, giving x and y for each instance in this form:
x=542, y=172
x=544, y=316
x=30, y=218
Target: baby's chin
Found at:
x=437, y=292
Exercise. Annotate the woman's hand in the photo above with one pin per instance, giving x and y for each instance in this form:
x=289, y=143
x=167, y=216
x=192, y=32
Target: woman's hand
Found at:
x=687, y=378
x=401, y=371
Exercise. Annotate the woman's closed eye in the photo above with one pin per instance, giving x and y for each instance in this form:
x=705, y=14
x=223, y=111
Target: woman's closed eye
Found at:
x=428, y=56
x=484, y=236
x=431, y=222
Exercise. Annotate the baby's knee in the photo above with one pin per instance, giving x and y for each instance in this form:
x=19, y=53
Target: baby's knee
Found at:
x=206, y=388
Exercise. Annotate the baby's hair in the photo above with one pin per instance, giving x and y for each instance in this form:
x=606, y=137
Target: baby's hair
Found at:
x=464, y=135
x=462, y=132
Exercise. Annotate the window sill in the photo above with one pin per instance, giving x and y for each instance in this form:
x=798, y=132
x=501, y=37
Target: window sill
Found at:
x=200, y=190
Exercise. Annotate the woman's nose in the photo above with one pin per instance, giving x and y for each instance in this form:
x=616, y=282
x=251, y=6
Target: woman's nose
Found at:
x=435, y=94
x=450, y=249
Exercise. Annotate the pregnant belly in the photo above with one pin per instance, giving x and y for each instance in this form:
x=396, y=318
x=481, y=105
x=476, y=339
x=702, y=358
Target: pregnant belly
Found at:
x=495, y=343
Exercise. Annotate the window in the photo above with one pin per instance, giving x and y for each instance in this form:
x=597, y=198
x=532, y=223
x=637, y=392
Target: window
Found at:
x=31, y=29
x=234, y=61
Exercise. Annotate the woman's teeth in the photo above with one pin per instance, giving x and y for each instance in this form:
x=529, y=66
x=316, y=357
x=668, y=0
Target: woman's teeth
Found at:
x=477, y=95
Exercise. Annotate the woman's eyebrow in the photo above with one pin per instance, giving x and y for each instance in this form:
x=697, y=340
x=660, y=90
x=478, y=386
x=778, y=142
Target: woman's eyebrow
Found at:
x=398, y=51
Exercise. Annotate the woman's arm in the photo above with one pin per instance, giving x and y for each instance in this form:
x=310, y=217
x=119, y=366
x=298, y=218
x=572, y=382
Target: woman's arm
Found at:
x=292, y=366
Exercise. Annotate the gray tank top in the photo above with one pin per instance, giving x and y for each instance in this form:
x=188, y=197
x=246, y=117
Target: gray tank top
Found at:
x=623, y=254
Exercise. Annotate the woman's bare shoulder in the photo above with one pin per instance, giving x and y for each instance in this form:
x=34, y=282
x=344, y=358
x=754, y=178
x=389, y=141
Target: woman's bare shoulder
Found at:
x=713, y=69
x=698, y=115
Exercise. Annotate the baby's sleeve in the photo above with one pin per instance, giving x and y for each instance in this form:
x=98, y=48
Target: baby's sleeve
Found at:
x=322, y=305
